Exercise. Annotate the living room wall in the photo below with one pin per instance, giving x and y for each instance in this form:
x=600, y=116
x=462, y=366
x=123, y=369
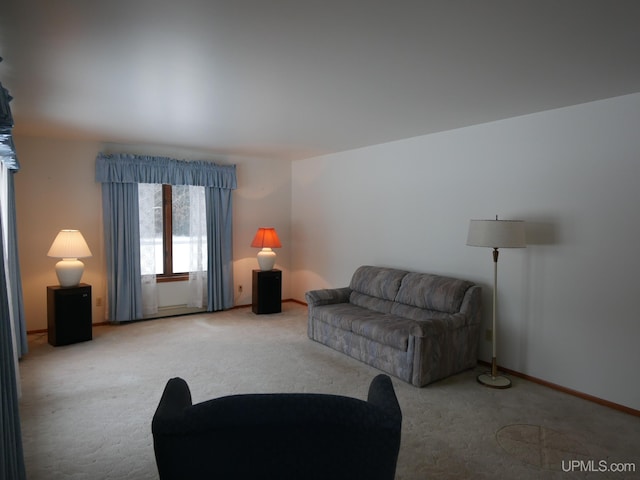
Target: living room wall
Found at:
x=56, y=188
x=567, y=305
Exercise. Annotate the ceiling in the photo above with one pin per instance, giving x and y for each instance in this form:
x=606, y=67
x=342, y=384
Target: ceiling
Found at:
x=291, y=79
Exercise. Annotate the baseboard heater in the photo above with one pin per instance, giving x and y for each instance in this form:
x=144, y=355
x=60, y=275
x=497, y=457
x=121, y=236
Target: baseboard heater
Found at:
x=175, y=310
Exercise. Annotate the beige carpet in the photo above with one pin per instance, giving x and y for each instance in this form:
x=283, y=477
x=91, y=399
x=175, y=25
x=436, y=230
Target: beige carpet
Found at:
x=86, y=408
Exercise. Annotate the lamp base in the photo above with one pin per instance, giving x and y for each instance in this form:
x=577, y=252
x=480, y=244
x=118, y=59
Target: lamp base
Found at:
x=69, y=272
x=492, y=379
x=497, y=381
x=266, y=259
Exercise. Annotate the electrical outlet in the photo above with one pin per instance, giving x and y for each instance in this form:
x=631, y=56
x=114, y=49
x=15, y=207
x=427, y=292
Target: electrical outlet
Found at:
x=98, y=301
x=488, y=335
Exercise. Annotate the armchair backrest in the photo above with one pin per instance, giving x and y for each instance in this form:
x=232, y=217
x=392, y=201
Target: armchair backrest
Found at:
x=278, y=436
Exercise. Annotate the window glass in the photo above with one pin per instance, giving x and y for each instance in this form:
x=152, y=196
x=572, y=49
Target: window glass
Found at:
x=187, y=240
x=180, y=234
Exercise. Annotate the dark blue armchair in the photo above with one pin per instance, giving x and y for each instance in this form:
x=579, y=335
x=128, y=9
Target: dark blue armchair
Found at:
x=301, y=436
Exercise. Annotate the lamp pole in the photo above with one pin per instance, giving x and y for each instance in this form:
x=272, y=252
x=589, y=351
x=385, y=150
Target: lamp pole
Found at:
x=494, y=380
x=494, y=365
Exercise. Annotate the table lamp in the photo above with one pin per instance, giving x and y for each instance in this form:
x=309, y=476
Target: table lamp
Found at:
x=69, y=245
x=266, y=239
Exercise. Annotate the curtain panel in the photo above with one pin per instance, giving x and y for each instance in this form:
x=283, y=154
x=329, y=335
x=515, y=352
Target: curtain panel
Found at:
x=198, y=250
x=13, y=341
x=10, y=164
x=15, y=276
x=122, y=251
x=123, y=258
x=12, y=461
x=219, y=249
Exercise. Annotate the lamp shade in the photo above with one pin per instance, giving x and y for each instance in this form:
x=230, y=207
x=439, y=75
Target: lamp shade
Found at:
x=69, y=244
x=496, y=234
x=266, y=237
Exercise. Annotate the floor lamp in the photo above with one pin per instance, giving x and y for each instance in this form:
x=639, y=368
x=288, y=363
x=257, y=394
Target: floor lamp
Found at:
x=495, y=234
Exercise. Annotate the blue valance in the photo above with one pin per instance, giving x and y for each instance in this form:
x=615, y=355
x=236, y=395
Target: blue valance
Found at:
x=128, y=168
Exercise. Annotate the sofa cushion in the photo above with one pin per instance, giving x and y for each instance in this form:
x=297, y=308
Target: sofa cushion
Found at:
x=432, y=292
x=415, y=313
x=377, y=282
x=342, y=315
x=388, y=330
x=371, y=303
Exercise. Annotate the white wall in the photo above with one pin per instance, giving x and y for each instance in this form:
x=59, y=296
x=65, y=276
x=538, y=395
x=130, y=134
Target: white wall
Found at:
x=568, y=303
x=56, y=188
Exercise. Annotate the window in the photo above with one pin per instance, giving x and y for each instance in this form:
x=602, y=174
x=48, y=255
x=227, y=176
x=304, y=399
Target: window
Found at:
x=172, y=230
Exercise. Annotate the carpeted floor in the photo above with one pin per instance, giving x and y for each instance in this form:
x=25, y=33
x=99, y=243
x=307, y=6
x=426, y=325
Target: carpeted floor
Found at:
x=86, y=408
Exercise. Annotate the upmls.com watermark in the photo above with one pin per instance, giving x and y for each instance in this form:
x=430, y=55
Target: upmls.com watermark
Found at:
x=597, y=466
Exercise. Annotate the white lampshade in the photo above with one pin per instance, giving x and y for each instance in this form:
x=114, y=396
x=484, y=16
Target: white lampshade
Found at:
x=69, y=245
x=496, y=234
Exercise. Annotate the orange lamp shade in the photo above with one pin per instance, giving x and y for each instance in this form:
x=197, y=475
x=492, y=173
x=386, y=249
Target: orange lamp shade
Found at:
x=266, y=238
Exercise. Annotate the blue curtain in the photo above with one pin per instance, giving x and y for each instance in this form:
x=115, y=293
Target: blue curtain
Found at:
x=123, y=268
x=11, y=435
x=14, y=274
x=11, y=453
x=10, y=161
x=219, y=246
x=122, y=248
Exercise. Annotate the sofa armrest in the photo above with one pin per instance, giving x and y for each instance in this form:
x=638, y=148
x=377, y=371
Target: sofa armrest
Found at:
x=327, y=296
x=472, y=305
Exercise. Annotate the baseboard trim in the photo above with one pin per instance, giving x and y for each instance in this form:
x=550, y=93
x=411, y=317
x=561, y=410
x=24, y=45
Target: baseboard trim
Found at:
x=570, y=391
x=34, y=332
x=293, y=300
